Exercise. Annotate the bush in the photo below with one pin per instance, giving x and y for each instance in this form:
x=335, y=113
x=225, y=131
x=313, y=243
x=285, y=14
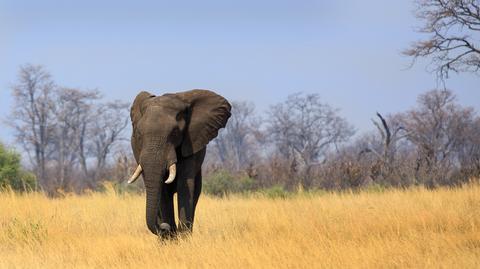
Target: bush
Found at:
x=276, y=191
x=11, y=174
x=221, y=183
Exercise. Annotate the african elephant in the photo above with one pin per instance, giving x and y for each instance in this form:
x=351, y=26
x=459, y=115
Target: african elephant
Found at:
x=170, y=135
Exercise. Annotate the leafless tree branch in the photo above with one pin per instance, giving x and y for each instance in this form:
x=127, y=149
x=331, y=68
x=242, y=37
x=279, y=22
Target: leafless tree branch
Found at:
x=454, y=29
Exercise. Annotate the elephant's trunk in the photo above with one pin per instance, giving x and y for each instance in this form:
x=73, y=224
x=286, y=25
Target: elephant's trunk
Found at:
x=152, y=209
x=153, y=186
x=154, y=164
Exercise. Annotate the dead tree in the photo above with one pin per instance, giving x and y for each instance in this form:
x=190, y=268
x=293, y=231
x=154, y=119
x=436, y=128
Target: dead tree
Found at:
x=385, y=154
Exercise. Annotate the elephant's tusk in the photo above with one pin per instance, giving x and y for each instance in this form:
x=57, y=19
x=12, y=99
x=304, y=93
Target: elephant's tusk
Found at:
x=135, y=175
x=172, y=172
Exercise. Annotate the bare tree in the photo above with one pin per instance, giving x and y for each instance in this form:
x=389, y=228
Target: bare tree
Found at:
x=469, y=152
x=437, y=128
x=454, y=28
x=32, y=117
x=72, y=111
x=303, y=129
x=99, y=133
x=235, y=145
x=64, y=131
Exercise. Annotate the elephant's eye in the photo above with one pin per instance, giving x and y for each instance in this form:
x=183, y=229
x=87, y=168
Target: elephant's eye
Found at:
x=179, y=116
x=175, y=131
x=175, y=134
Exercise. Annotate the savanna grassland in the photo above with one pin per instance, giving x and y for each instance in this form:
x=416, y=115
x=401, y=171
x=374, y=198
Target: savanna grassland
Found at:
x=395, y=228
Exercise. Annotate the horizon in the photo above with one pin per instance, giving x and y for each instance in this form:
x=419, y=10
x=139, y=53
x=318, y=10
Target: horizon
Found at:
x=347, y=52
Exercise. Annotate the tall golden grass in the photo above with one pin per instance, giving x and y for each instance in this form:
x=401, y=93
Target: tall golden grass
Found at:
x=411, y=228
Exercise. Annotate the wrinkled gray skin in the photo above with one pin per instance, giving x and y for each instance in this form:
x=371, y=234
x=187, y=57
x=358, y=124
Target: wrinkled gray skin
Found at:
x=174, y=128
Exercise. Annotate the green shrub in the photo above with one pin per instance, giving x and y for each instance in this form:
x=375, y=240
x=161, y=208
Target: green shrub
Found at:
x=11, y=174
x=276, y=191
x=245, y=184
x=222, y=183
x=375, y=188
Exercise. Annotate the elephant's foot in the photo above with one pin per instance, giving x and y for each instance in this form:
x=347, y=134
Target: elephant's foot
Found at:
x=185, y=228
x=165, y=231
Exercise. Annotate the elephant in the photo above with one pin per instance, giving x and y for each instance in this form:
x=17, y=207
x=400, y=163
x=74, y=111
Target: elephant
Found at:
x=170, y=136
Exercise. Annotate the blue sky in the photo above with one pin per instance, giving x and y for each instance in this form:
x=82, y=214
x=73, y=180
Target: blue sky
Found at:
x=347, y=51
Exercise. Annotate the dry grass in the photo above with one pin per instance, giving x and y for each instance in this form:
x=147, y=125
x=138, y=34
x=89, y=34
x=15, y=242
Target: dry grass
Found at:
x=413, y=228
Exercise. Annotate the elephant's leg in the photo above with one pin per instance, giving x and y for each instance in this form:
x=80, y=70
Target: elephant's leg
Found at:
x=189, y=185
x=186, y=203
x=166, y=214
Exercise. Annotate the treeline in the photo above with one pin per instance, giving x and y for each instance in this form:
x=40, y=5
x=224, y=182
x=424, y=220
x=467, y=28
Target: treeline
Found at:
x=74, y=141
x=304, y=143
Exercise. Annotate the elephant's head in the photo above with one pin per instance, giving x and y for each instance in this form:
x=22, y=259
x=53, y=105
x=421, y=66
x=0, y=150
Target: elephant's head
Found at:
x=167, y=126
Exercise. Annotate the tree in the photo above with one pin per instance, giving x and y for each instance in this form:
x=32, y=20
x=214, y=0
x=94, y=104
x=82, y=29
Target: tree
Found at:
x=453, y=27
x=235, y=145
x=469, y=153
x=100, y=132
x=72, y=110
x=303, y=129
x=65, y=131
x=386, y=168
x=438, y=129
x=11, y=174
x=32, y=117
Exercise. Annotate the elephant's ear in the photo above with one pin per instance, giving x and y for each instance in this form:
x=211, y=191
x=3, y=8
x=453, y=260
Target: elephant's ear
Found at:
x=208, y=112
x=137, y=108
